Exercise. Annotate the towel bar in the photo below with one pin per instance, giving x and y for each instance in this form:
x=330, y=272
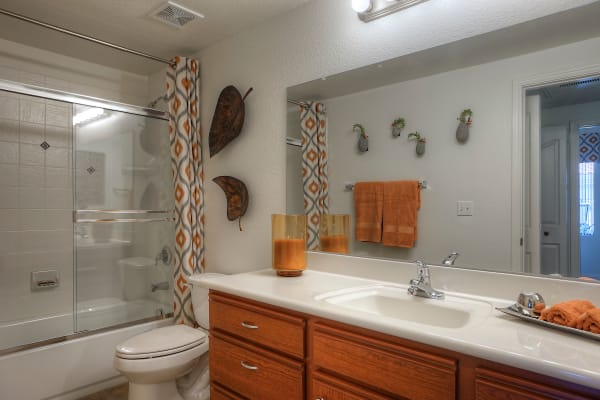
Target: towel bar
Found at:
x=350, y=186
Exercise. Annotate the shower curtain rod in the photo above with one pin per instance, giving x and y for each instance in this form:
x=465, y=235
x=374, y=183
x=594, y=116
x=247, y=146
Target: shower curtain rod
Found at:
x=296, y=102
x=82, y=36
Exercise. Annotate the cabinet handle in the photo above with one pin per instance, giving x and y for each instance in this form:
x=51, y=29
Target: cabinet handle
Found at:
x=319, y=398
x=249, y=366
x=249, y=325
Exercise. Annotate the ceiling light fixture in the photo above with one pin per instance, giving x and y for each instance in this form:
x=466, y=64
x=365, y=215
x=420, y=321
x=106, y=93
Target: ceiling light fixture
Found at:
x=362, y=6
x=368, y=10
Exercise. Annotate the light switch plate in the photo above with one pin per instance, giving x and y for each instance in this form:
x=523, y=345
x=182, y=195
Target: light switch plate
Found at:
x=464, y=208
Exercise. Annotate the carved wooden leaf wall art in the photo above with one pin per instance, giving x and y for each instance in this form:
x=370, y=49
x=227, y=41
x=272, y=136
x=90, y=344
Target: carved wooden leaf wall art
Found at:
x=228, y=119
x=237, y=197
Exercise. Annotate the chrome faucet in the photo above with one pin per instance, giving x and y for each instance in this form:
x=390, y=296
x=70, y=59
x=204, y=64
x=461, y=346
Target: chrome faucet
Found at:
x=160, y=286
x=421, y=286
x=450, y=259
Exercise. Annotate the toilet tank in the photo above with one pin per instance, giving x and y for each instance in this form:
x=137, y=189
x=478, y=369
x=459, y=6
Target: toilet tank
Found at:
x=200, y=297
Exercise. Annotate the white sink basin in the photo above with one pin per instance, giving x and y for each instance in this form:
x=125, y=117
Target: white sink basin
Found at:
x=394, y=302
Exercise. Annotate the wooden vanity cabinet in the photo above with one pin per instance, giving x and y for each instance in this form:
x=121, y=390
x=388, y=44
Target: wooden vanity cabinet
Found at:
x=381, y=365
x=495, y=385
x=262, y=352
x=256, y=351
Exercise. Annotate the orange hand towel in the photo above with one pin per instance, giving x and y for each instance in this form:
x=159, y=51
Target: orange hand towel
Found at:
x=566, y=313
x=401, y=202
x=368, y=211
x=590, y=321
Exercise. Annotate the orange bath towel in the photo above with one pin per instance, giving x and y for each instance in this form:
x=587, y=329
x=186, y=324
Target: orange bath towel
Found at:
x=566, y=313
x=401, y=202
x=368, y=211
x=590, y=321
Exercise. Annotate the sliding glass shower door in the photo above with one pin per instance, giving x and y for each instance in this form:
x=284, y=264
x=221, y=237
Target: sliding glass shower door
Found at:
x=124, y=221
x=86, y=220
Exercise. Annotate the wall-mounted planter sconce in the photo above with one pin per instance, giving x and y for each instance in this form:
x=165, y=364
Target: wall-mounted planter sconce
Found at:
x=368, y=10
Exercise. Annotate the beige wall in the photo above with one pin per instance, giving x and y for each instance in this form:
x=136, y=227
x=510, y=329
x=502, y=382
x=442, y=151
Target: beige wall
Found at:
x=24, y=64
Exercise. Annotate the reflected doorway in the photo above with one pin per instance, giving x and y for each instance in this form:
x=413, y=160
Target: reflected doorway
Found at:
x=563, y=188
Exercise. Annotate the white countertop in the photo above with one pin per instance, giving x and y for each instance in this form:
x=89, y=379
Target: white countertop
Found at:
x=500, y=338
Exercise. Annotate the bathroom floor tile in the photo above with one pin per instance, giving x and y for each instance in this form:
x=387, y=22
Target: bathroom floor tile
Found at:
x=114, y=393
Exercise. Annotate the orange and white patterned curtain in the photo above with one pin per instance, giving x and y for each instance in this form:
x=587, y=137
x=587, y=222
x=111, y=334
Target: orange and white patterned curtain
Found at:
x=183, y=86
x=314, y=168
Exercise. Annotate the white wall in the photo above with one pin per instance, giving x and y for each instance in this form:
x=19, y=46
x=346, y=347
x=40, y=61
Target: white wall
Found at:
x=318, y=39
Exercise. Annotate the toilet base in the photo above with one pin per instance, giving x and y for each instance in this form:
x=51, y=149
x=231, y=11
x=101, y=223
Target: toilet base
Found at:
x=154, y=391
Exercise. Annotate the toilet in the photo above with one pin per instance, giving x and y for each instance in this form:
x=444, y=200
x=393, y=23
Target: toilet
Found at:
x=153, y=360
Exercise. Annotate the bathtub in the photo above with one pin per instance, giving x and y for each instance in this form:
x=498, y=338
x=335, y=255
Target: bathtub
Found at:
x=76, y=367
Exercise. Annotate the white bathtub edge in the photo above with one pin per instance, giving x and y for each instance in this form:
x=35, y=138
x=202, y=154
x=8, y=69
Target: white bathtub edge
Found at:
x=60, y=369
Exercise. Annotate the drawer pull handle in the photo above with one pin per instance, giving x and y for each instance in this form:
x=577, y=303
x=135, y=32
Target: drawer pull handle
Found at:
x=249, y=325
x=249, y=366
x=320, y=398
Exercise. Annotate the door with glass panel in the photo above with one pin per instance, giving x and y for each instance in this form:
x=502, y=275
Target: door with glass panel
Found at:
x=123, y=217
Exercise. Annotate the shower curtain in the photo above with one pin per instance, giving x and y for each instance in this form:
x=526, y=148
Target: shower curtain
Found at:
x=186, y=164
x=314, y=168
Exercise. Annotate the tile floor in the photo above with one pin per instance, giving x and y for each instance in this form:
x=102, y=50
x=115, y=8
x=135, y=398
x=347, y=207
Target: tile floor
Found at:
x=114, y=393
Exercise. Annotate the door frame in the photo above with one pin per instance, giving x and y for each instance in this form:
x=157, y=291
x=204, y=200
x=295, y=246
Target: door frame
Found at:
x=518, y=167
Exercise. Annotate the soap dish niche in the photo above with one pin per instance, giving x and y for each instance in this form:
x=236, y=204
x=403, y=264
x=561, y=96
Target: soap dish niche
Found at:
x=47, y=279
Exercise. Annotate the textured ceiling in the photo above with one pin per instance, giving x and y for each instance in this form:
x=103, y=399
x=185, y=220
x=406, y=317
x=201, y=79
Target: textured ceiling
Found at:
x=126, y=23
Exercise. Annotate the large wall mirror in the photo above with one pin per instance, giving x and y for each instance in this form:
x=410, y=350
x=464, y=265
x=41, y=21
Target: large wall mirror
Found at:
x=530, y=167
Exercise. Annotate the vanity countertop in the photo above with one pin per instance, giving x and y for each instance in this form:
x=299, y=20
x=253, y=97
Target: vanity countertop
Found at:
x=498, y=338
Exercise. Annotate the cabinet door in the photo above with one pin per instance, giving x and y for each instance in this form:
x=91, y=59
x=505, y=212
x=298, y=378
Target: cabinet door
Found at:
x=219, y=393
x=254, y=373
x=493, y=385
x=384, y=366
x=324, y=387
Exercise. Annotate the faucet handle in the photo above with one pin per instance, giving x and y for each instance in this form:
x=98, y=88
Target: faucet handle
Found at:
x=422, y=269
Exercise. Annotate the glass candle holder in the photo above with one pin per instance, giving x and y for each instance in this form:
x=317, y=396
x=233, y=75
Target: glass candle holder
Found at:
x=289, y=244
x=334, y=233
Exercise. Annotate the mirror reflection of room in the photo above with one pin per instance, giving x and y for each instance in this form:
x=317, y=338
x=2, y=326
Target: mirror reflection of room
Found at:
x=565, y=138
x=496, y=232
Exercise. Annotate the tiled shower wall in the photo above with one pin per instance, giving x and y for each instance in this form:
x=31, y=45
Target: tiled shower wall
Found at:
x=36, y=201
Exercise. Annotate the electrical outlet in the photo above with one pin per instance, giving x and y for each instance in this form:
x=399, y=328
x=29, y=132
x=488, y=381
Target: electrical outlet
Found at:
x=464, y=208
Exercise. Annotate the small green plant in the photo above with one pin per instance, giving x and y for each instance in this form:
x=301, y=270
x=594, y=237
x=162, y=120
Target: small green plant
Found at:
x=465, y=116
x=417, y=136
x=360, y=129
x=399, y=123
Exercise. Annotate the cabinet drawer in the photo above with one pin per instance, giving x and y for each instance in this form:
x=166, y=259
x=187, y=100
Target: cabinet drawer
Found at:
x=218, y=392
x=262, y=326
x=384, y=366
x=329, y=388
x=493, y=385
x=254, y=373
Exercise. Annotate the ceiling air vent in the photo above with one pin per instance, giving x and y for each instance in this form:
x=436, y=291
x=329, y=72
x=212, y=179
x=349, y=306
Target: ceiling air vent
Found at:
x=175, y=15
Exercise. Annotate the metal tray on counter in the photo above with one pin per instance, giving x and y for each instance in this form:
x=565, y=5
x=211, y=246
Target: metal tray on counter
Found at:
x=514, y=311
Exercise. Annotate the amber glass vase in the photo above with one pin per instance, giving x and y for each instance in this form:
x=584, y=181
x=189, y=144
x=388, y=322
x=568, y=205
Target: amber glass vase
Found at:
x=334, y=230
x=289, y=244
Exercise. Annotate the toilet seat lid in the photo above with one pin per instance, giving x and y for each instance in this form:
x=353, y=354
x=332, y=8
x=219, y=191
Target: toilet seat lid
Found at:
x=161, y=342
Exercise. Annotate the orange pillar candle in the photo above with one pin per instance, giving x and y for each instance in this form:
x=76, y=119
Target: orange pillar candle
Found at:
x=288, y=244
x=334, y=244
x=334, y=233
x=289, y=254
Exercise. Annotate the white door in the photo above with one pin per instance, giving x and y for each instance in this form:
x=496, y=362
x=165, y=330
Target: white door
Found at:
x=554, y=229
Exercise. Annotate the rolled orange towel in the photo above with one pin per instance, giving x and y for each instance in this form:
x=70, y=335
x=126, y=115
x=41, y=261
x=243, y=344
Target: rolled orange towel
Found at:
x=590, y=321
x=567, y=312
